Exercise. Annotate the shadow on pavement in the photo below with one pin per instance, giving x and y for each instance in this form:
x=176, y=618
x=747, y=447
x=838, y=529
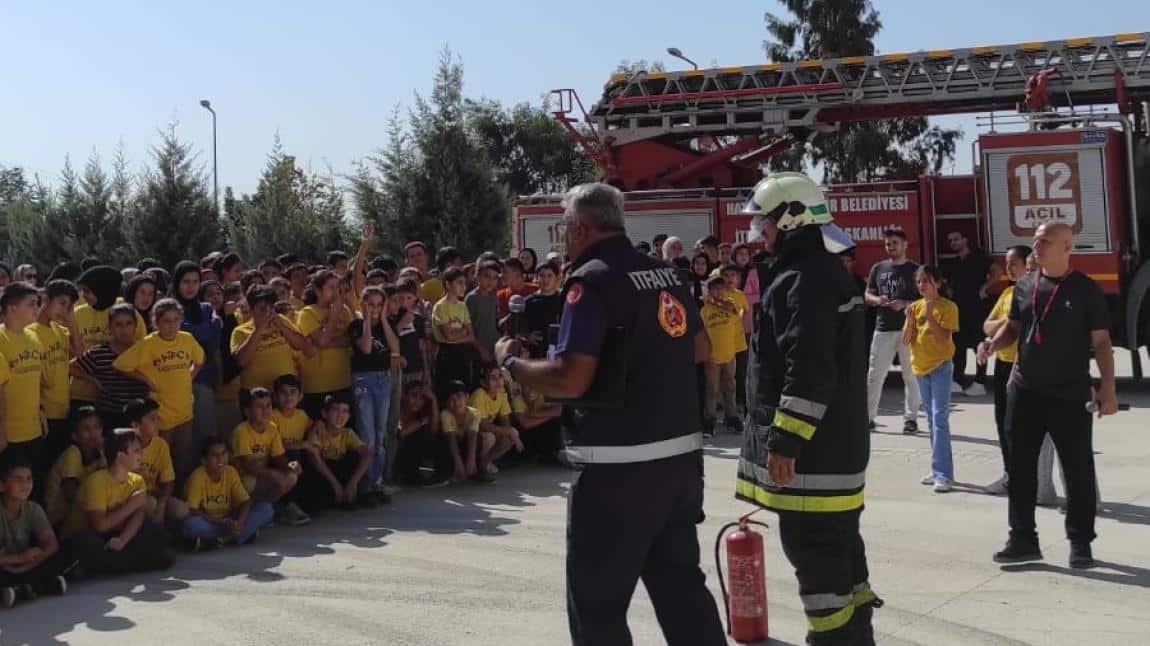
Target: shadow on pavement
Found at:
x=1125, y=513
x=1120, y=574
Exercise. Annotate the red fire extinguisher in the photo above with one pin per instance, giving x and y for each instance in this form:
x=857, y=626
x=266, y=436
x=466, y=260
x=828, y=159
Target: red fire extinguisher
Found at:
x=746, y=601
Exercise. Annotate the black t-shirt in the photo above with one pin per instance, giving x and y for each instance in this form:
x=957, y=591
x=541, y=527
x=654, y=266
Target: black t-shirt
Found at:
x=896, y=282
x=1054, y=346
x=379, y=359
x=409, y=338
x=542, y=311
x=966, y=276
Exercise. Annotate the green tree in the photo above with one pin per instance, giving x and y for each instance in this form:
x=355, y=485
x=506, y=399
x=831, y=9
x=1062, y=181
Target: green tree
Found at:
x=858, y=151
x=383, y=189
x=291, y=210
x=174, y=217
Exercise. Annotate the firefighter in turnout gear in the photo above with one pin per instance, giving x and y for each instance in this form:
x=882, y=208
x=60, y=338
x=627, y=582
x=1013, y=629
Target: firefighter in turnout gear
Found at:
x=628, y=335
x=806, y=443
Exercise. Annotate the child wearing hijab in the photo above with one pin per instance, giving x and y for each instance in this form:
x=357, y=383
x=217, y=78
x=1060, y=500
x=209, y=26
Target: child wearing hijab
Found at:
x=141, y=292
x=201, y=322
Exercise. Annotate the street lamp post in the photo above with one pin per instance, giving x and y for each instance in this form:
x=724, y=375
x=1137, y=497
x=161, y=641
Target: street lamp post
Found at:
x=215, y=162
x=678, y=53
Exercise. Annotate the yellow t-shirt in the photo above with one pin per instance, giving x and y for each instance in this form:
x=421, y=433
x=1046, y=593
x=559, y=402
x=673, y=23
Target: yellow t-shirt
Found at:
x=273, y=355
x=725, y=330
x=101, y=492
x=449, y=424
x=70, y=464
x=329, y=368
x=333, y=446
x=432, y=290
x=533, y=404
x=489, y=407
x=1001, y=312
x=156, y=464
x=169, y=365
x=56, y=394
x=20, y=376
x=216, y=498
x=928, y=350
x=94, y=330
x=246, y=440
x=454, y=315
x=294, y=428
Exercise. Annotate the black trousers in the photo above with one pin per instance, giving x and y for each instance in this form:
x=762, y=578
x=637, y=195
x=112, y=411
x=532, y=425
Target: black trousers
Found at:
x=41, y=576
x=453, y=362
x=1030, y=416
x=148, y=550
x=961, y=345
x=543, y=441
x=741, y=377
x=1002, y=371
x=829, y=558
x=422, y=445
x=313, y=492
x=632, y=521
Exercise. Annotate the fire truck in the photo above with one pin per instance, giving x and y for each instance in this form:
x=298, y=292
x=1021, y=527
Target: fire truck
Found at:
x=1065, y=140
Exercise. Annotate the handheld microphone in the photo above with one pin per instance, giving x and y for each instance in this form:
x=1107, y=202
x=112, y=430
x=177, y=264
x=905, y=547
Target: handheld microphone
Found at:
x=517, y=305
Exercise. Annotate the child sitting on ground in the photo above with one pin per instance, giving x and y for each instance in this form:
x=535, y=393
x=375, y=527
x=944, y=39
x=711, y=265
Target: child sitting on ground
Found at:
x=110, y=534
x=538, y=424
x=155, y=462
x=419, y=438
x=220, y=509
x=490, y=400
x=83, y=458
x=266, y=472
x=31, y=562
x=333, y=478
x=469, y=448
x=291, y=420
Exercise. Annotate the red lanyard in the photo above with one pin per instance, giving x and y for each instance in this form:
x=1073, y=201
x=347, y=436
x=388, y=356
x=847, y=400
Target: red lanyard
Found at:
x=1045, y=310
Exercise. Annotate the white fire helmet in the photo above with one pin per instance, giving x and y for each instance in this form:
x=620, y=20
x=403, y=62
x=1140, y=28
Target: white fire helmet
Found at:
x=794, y=200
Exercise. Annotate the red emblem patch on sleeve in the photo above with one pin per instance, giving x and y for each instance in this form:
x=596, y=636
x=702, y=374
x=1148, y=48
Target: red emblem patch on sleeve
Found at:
x=672, y=315
x=574, y=293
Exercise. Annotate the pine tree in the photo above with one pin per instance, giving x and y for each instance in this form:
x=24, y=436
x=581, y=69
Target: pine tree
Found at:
x=174, y=217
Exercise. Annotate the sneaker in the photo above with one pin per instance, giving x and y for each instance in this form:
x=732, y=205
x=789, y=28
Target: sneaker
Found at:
x=910, y=427
x=7, y=597
x=197, y=545
x=26, y=593
x=484, y=477
x=1081, y=557
x=57, y=586
x=927, y=479
x=436, y=484
x=390, y=489
x=491, y=469
x=252, y=539
x=956, y=388
x=1018, y=552
x=734, y=424
x=872, y=427
x=998, y=487
x=941, y=485
x=975, y=390
x=295, y=516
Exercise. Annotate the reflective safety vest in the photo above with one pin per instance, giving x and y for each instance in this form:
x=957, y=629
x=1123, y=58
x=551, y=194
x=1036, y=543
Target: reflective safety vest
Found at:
x=807, y=385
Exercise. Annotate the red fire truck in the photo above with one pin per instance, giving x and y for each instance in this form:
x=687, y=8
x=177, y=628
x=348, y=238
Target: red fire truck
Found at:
x=687, y=146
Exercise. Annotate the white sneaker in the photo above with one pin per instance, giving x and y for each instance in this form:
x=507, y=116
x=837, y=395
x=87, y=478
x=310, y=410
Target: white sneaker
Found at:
x=295, y=516
x=7, y=597
x=492, y=469
x=390, y=489
x=998, y=487
x=955, y=389
x=928, y=479
x=975, y=390
x=941, y=485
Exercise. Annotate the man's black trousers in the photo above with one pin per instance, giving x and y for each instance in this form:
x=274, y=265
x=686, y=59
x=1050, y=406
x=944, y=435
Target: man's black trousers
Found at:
x=632, y=521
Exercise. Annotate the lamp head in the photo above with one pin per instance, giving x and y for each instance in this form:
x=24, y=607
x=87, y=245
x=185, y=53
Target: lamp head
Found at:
x=675, y=51
x=206, y=103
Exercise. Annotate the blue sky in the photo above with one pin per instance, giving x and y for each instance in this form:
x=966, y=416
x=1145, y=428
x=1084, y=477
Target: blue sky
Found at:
x=79, y=77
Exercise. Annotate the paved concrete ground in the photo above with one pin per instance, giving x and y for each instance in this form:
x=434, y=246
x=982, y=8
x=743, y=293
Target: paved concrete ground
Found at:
x=484, y=565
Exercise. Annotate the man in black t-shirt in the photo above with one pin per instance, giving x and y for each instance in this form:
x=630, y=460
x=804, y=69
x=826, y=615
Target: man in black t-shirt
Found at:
x=889, y=289
x=966, y=275
x=1059, y=317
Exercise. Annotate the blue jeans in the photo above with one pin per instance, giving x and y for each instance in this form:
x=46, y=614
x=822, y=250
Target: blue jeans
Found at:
x=372, y=401
x=198, y=527
x=935, y=389
x=204, y=411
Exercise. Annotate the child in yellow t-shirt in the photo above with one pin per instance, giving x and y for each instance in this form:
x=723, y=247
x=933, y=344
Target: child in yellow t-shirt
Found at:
x=332, y=478
x=261, y=459
x=460, y=424
x=451, y=323
x=490, y=400
x=80, y=460
x=155, y=462
x=723, y=321
x=291, y=420
x=928, y=332
x=221, y=511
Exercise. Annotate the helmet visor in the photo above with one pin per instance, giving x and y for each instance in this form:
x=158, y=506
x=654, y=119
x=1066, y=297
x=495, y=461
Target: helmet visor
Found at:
x=835, y=239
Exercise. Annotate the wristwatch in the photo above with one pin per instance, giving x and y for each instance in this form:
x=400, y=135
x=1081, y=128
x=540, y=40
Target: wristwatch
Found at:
x=508, y=361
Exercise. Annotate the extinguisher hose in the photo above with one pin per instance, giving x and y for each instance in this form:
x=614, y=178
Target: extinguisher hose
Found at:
x=742, y=522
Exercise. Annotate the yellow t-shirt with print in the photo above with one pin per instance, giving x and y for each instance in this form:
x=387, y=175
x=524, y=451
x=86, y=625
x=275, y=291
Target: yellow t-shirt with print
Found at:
x=334, y=446
x=71, y=465
x=216, y=498
x=274, y=355
x=448, y=423
x=328, y=369
x=489, y=407
x=55, y=395
x=20, y=377
x=725, y=331
x=246, y=440
x=156, y=464
x=450, y=314
x=168, y=364
x=1001, y=312
x=929, y=350
x=102, y=492
x=94, y=330
x=294, y=428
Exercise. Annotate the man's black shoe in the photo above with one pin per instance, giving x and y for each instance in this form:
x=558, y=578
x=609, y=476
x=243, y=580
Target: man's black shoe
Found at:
x=871, y=426
x=1081, y=557
x=910, y=427
x=1018, y=552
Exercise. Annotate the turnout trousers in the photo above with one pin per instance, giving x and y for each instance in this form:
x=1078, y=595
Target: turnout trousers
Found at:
x=634, y=521
x=829, y=558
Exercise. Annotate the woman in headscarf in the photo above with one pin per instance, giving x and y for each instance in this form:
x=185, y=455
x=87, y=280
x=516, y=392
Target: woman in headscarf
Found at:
x=99, y=288
x=200, y=321
x=227, y=394
x=141, y=293
x=672, y=249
